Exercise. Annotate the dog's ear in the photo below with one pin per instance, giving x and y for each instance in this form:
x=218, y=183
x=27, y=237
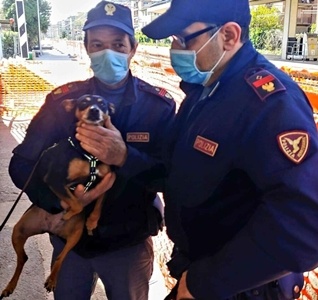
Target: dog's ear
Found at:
x=111, y=108
x=68, y=104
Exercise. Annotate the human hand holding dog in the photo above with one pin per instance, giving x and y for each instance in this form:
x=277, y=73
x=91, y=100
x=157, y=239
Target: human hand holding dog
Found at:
x=106, y=143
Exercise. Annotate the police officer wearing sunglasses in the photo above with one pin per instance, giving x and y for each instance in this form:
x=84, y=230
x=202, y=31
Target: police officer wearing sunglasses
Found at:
x=242, y=192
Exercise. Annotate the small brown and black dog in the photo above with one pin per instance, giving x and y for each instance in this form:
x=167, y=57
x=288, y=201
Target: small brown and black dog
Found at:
x=62, y=167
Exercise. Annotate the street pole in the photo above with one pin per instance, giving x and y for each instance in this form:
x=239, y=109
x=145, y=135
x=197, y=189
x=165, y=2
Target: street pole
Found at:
x=39, y=26
x=1, y=52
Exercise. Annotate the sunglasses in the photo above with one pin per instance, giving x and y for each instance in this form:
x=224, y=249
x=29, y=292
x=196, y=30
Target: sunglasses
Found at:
x=183, y=40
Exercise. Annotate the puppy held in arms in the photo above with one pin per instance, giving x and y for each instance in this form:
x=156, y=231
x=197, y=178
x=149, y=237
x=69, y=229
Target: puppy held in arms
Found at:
x=62, y=167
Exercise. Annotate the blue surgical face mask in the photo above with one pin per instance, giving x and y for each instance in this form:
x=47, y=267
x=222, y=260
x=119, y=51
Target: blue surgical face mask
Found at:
x=184, y=63
x=109, y=66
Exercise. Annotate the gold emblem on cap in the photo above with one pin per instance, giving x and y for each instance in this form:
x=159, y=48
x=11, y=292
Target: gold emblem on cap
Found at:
x=110, y=9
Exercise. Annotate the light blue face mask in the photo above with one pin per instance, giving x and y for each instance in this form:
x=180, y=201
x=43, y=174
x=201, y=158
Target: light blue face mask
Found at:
x=184, y=63
x=109, y=66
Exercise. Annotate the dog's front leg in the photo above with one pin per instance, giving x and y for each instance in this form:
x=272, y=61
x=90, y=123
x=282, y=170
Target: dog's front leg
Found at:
x=92, y=220
x=75, y=206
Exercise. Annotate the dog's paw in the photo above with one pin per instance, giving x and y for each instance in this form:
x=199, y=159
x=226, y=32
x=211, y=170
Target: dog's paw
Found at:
x=6, y=293
x=50, y=284
x=90, y=225
x=8, y=290
x=69, y=214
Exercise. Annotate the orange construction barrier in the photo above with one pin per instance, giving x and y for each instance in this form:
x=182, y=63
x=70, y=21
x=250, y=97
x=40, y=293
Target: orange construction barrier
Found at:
x=313, y=99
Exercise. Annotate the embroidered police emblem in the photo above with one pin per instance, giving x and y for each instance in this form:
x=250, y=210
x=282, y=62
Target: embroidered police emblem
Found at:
x=61, y=90
x=155, y=90
x=163, y=92
x=206, y=146
x=64, y=89
x=269, y=87
x=294, y=144
x=110, y=9
x=138, y=137
x=265, y=84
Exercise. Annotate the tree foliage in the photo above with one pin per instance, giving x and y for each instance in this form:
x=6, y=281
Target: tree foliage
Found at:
x=8, y=43
x=143, y=39
x=31, y=16
x=266, y=22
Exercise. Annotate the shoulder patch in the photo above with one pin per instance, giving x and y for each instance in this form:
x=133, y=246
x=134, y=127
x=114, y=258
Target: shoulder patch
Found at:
x=67, y=88
x=294, y=144
x=264, y=83
x=161, y=92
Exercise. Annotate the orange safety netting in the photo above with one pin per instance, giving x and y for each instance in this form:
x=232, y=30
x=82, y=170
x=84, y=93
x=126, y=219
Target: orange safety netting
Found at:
x=308, y=81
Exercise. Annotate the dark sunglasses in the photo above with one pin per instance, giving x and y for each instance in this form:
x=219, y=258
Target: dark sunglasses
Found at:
x=183, y=40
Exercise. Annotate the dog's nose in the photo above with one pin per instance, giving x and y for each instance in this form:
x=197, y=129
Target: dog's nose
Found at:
x=93, y=113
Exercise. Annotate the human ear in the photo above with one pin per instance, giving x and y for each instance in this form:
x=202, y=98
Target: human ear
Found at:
x=231, y=33
x=133, y=50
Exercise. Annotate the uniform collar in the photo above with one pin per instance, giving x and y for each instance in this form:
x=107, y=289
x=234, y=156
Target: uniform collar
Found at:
x=239, y=62
x=129, y=94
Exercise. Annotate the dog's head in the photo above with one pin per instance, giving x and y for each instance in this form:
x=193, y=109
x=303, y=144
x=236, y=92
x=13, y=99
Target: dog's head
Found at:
x=92, y=109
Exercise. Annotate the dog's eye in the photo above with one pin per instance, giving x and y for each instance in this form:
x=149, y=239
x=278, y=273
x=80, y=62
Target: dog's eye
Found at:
x=101, y=102
x=83, y=104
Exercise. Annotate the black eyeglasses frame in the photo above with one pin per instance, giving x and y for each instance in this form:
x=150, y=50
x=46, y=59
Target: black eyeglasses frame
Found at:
x=183, y=40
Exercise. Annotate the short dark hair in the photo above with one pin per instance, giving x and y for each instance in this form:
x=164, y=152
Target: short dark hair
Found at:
x=245, y=34
x=132, y=40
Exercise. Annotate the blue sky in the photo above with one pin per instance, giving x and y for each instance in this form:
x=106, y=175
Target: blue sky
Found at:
x=61, y=9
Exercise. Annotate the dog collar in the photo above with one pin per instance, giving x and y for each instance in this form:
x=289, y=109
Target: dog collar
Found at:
x=92, y=165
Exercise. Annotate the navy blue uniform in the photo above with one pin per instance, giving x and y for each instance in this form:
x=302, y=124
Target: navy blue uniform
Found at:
x=142, y=115
x=242, y=194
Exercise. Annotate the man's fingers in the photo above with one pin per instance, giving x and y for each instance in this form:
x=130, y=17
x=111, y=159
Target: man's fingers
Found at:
x=109, y=124
x=64, y=205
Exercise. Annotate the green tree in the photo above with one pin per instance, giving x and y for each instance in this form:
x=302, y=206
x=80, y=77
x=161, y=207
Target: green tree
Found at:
x=8, y=43
x=31, y=16
x=266, y=20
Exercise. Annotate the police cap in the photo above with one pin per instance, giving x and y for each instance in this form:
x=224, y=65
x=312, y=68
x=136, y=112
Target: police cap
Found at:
x=182, y=13
x=107, y=13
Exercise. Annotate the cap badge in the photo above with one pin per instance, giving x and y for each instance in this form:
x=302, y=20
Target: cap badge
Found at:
x=294, y=144
x=110, y=9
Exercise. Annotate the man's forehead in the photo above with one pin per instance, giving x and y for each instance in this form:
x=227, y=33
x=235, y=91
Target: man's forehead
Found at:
x=106, y=32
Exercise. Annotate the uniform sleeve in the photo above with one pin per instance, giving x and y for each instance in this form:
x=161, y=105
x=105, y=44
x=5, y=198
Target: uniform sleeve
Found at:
x=43, y=131
x=282, y=235
x=150, y=166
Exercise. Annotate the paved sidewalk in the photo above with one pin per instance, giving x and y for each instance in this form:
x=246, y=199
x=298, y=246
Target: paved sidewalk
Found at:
x=31, y=283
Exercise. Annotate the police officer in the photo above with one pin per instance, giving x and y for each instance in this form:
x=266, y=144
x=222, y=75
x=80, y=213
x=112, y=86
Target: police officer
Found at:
x=242, y=193
x=120, y=250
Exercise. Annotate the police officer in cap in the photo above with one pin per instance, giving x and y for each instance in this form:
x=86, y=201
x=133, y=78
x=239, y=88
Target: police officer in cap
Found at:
x=242, y=193
x=120, y=249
